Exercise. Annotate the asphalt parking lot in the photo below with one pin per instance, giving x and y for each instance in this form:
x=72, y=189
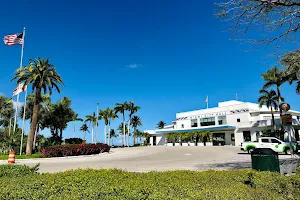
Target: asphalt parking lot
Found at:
x=144, y=159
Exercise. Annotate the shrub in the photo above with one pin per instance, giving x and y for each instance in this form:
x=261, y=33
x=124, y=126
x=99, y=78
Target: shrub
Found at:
x=74, y=141
x=17, y=170
x=117, y=184
x=74, y=150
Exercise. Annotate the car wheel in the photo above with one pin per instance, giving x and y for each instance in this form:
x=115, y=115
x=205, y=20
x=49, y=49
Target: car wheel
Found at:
x=287, y=151
x=250, y=150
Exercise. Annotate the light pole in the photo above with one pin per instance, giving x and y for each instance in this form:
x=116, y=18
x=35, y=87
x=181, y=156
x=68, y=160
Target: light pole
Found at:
x=97, y=114
x=10, y=125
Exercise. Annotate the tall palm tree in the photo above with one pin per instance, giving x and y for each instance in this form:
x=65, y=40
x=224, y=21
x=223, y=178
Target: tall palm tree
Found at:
x=121, y=108
x=132, y=110
x=292, y=62
x=113, y=134
x=93, y=121
x=6, y=109
x=85, y=129
x=103, y=114
x=274, y=77
x=43, y=76
x=270, y=99
x=121, y=129
x=76, y=118
x=111, y=114
x=135, y=121
x=161, y=124
x=45, y=102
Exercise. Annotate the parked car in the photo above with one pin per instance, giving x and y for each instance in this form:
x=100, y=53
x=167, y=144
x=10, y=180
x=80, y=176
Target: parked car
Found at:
x=272, y=143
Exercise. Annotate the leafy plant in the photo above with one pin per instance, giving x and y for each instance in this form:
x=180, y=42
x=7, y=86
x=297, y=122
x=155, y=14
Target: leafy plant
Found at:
x=75, y=150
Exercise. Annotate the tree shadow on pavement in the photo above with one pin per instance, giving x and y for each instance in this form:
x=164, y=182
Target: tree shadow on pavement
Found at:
x=224, y=166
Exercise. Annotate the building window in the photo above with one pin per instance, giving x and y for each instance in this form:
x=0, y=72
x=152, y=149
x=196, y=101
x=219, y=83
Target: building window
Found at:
x=232, y=137
x=182, y=125
x=238, y=120
x=222, y=120
x=210, y=121
x=194, y=123
x=247, y=136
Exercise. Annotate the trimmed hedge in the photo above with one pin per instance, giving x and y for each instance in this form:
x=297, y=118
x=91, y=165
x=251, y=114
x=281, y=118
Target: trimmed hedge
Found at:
x=178, y=185
x=74, y=141
x=37, y=155
x=74, y=150
x=17, y=170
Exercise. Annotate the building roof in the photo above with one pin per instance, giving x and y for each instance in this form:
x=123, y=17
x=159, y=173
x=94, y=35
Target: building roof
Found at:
x=207, y=128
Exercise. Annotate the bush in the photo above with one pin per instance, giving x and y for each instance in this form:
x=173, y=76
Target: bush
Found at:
x=17, y=170
x=74, y=150
x=74, y=141
x=117, y=184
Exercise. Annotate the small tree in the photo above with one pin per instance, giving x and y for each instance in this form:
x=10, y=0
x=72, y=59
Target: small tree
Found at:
x=161, y=124
x=278, y=19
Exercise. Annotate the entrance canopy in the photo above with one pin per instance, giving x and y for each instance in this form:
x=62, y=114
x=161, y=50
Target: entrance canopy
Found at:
x=214, y=128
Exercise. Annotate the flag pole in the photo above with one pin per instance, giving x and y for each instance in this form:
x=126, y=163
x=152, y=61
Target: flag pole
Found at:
x=207, y=103
x=15, y=122
x=24, y=113
x=22, y=51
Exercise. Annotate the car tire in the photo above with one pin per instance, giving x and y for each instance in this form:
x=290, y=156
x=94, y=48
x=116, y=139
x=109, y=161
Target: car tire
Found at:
x=287, y=151
x=250, y=149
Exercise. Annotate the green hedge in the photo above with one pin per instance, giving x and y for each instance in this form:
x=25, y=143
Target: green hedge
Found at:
x=12, y=171
x=116, y=184
x=37, y=155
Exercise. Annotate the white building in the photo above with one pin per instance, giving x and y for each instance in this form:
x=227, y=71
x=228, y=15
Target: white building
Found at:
x=231, y=123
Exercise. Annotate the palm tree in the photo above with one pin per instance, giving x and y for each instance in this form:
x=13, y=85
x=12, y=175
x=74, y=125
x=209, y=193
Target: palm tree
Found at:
x=93, y=121
x=161, y=124
x=103, y=114
x=132, y=110
x=270, y=99
x=111, y=114
x=292, y=72
x=45, y=102
x=76, y=118
x=121, y=129
x=43, y=76
x=85, y=129
x=135, y=121
x=113, y=134
x=6, y=110
x=274, y=77
x=121, y=108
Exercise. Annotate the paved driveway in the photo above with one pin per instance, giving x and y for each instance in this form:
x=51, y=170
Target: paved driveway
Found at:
x=143, y=159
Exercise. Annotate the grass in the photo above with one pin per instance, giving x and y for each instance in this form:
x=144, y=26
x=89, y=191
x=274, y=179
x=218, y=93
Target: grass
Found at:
x=37, y=155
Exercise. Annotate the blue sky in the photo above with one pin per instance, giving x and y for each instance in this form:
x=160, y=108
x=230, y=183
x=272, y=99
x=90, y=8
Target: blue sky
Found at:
x=165, y=55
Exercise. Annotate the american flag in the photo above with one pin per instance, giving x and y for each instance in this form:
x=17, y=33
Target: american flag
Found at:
x=13, y=39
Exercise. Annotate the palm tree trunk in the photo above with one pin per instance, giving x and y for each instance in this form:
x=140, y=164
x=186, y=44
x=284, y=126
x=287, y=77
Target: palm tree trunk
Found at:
x=84, y=135
x=34, y=141
x=60, y=135
x=273, y=119
x=124, y=133
x=33, y=122
x=128, y=131
x=279, y=94
x=93, y=133
x=74, y=129
x=108, y=141
x=105, y=132
x=134, y=136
